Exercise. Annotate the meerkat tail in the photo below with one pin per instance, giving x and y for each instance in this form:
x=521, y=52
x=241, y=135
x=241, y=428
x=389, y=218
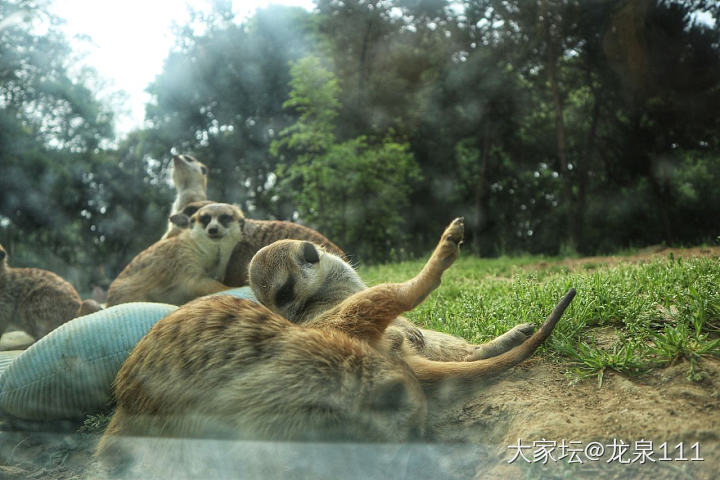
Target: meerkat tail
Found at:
x=431, y=372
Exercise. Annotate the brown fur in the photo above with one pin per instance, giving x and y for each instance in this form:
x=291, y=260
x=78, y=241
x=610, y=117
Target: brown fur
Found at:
x=258, y=234
x=35, y=300
x=184, y=267
x=230, y=368
x=190, y=179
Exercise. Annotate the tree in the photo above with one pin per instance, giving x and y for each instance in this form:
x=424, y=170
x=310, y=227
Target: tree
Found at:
x=354, y=191
x=51, y=128
x=220, y=97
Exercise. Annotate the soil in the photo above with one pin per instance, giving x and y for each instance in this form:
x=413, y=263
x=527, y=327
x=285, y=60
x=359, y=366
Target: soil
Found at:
x=534, y=408
x=644, y=255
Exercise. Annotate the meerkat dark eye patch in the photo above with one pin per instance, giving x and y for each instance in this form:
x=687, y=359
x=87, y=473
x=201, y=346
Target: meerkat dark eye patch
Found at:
x=310, y=253
x=205, y=219
x=190, y=211
x=286, y=293
x=225, y=220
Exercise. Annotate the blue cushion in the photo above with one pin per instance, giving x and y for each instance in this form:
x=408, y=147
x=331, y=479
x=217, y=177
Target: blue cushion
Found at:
x=69, y=372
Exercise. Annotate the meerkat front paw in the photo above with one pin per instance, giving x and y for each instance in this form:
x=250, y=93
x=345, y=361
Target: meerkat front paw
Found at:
x=449, y=247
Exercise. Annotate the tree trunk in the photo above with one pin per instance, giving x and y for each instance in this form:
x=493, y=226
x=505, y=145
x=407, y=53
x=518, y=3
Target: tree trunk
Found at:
x=482, y=197
x=552, y=58
x=583, y=166
x=663, y=202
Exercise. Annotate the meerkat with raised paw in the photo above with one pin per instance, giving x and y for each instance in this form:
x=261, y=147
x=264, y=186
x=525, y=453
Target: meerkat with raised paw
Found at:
x=300, y=281
x=186, y=266
x=189, y=177
x=35, y=300
x=230, y=368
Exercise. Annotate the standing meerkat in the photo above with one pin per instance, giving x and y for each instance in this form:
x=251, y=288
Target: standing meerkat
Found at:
x=230, y=368
x=36, y=300
x=190, y=179
x=186, y=266
x=258, y=234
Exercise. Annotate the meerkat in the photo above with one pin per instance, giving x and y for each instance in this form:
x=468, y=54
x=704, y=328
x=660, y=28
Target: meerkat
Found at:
x=230, y=368
x=300, y=281
x=189, y=177
x=35, y=300
x=258, y=234
x=186, y=266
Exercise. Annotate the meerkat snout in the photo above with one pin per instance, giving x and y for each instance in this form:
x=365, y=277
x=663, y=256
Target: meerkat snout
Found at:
x=188, y=171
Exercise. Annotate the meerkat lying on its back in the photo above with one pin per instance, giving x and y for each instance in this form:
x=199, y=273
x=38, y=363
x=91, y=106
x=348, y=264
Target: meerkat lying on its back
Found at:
x=181, y=268
x=258, y=234
x=190, y=179
x=230, y=368
x=301, y=281
x=38, y=301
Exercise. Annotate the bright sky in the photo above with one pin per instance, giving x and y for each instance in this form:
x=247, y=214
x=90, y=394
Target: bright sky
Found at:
x=130, y=40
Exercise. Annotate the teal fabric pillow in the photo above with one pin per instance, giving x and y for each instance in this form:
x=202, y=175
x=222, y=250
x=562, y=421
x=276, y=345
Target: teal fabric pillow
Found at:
x=69, y=372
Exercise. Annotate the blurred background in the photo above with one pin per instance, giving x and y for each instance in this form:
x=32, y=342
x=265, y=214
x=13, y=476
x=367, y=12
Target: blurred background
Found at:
x=554, y=127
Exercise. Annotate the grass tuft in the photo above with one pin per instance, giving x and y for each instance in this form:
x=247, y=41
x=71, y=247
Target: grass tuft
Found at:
x=661, y=310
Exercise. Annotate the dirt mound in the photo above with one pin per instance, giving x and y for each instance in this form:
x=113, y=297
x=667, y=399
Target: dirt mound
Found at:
x=535, y=409
x=645, y=254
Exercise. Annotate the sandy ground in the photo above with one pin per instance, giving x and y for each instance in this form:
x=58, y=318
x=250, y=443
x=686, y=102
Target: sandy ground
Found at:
x=646, y=254
x=557, y=423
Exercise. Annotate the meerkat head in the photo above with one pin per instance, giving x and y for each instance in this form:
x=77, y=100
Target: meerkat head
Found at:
x=215, y=221
x=299, y=279
x=189, y=173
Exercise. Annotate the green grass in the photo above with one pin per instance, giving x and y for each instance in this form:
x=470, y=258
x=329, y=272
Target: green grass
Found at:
x=658, y=312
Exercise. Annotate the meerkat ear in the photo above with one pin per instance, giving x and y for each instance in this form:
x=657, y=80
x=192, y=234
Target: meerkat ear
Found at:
x=2, y=254
x=310, y=253
x=180, y=219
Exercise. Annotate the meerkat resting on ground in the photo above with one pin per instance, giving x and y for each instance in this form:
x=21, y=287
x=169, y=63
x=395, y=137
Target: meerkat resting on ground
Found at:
x=300, y=281
x=190, y=179
x=186, y=266
x=36, y=300
x=230, y=368
x=258, y=234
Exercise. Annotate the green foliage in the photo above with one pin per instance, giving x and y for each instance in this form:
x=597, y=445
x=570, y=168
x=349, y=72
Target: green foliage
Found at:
x=220, y=97
x=628, y=318
x=314, y=95
x=477, y=97
x=355, y=192
x=51, y=128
